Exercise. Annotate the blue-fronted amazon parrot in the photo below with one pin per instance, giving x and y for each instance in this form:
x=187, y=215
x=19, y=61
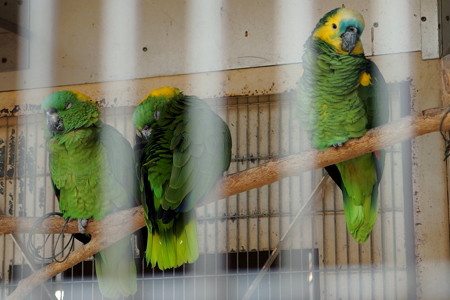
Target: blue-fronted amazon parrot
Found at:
x=92, y=171
x=182, y=149
x=341, y=95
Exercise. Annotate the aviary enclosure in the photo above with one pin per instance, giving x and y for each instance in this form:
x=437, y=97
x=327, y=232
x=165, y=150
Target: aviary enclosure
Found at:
x=283, y=237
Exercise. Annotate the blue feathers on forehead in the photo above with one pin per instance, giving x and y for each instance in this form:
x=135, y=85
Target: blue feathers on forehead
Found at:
x=351, y=22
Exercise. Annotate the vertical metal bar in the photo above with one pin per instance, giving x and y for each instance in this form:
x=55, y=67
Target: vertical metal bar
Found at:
x=258, y=207
x=405, y=110
x=285, y=238
x=372, y=262
x=10, y=151
x=153, y=283
x=6, y=281
x=247, y=200
x=164, y=283
x=383, y=209
x=173, y=284
x=270, y=152
x=3, y=273
x=238, y=231
x=227, y=213
x=218, y=109
x=216, y=234
x=280, y=194
x=293, y=181
x=394, y=231
x=360, y=272
x=81, y=279
x=348, y=267
x=336, y=236
x=324, y=272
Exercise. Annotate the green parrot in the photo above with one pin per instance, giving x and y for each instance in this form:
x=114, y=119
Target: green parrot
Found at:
x=341, y=95
x=182, y=149
x=92, y=171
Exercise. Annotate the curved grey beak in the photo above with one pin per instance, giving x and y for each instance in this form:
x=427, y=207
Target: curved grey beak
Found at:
x=145, y=132
x=54, y=121
x=349, y=39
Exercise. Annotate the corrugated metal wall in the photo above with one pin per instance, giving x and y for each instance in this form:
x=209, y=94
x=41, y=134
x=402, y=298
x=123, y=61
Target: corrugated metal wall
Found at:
x=236, y=234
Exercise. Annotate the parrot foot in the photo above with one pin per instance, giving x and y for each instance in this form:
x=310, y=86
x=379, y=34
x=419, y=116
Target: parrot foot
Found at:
x=82, y=224
x=338, y=145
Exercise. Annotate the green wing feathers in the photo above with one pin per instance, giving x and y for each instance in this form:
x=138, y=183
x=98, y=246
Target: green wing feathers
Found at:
x=186, y=148
x=375, y=97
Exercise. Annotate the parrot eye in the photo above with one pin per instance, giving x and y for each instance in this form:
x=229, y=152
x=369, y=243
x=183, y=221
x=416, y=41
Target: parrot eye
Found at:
x=68, y=105
x=334, y=26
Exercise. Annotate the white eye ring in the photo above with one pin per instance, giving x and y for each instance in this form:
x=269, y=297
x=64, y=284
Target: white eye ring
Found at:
x=68, y=105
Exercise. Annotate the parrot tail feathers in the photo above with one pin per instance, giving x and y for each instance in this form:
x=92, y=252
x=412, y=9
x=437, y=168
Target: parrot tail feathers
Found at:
x=361, y=217
x=172, y=247
x=161, y=249
x=187, y=242
x=116, y=270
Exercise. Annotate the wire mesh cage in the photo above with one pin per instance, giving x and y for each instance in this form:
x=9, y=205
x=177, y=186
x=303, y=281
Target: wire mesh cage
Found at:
x=237, y=235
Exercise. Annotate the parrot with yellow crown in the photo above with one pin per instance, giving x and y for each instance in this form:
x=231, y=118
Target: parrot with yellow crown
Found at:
x=182, y=148
x=92, y=171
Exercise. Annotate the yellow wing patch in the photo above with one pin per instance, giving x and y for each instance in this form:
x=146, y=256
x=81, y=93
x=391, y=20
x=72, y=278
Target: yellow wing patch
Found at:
x=365, y=79
x=167, y=92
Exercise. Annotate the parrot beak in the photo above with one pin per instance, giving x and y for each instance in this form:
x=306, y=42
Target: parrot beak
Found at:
x=145, y=132
x=54, y=121
x=349, y=39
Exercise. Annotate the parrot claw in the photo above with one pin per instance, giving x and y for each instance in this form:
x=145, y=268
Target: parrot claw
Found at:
x=82, y=224
x=338, y=145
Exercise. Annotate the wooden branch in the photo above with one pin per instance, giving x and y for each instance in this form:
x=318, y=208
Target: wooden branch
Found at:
x=120, y=224
x=375, y=139
x=26, y=225
x=54, y=225
x=111, y=229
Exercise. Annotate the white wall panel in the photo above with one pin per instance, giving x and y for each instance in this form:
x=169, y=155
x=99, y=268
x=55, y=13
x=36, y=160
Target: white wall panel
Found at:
x=74, y=42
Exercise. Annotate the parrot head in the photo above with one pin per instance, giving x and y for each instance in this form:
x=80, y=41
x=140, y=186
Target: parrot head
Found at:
x=149, y=110
x=69, y=110
x=341, y=28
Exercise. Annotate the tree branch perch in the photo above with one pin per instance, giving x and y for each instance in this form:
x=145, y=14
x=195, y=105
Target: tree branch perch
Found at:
x=376, y=139
x=120, y=224
x=104, y=233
